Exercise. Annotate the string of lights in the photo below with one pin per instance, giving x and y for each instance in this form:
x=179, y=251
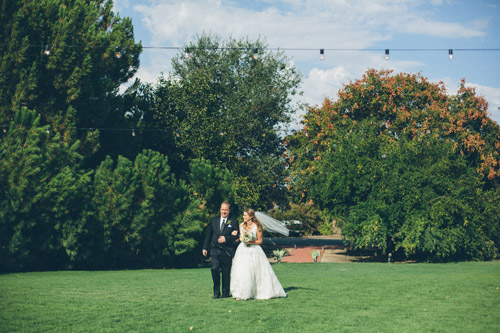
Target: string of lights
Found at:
x=322, y=51
x=92, y=129
x=187, y=50
x=133, y=132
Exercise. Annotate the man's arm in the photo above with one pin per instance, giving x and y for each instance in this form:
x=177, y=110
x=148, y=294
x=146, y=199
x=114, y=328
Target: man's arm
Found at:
x=207, y=239
x=235, y=232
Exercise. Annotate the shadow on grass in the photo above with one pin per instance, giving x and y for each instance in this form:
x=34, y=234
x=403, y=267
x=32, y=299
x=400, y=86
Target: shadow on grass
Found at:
x=288, y=289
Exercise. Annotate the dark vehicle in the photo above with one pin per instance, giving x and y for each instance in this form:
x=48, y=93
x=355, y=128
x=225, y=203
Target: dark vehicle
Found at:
x=294, y=227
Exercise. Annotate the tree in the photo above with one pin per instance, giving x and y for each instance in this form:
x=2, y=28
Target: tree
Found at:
x=403, y=167
x=313, y=221
x=211, y=185
x=52, y=216
x=43, y=194
x=59, y=58
x=224, y=106
x=153, y=109
x=113, y=203
x=145, y=216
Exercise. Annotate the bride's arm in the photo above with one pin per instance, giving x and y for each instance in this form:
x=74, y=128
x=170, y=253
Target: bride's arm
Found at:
x=258, y=241
x=241, y=232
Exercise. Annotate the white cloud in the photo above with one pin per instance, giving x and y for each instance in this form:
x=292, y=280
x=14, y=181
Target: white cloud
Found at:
x=119, y=5
x=321, y=84
x=439, y=29
x=310, y=23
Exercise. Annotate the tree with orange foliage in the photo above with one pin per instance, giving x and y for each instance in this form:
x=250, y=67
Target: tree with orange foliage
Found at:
x=404, y=166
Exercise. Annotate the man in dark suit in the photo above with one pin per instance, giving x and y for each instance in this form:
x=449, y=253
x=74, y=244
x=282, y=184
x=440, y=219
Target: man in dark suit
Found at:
x=222, y=233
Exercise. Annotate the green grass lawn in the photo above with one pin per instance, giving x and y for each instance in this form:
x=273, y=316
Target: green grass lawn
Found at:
x=350, y=297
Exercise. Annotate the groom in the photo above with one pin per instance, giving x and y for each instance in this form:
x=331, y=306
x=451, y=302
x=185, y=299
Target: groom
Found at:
x=222, y=232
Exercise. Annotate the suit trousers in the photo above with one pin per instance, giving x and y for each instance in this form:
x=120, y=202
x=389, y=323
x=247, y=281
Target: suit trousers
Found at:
x=221, y=263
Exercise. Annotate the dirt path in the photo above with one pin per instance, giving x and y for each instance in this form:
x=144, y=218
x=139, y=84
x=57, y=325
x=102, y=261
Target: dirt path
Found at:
x=328, y=254
x=335, y=254
x=302, y=254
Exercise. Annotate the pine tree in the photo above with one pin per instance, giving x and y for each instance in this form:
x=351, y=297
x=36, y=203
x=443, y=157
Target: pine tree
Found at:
x=145, y=216
x=113, y=202
x=60, y=59
x=43, y=194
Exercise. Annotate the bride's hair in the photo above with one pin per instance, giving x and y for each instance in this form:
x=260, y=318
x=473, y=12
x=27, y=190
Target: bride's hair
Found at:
x=254, y=218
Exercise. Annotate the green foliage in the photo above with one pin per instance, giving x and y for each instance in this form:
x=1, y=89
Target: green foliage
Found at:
x=76, y=85
x=233, y=102
x=54, y=214
x=245, y=193
x=144, y=103
x=209, y=184
x=145, y=214
x=52, y=217
x=313, y=220
x=402, y=166
x=113, y=199
x=43, y=192
x=224, y=106
x=133, y=214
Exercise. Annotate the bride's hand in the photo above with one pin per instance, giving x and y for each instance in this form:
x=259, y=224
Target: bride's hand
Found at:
x=234, y=233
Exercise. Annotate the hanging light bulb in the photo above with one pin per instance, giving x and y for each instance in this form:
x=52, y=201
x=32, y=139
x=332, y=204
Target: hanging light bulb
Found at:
x=387, y=54
x=47, y=50
x=186, y=54
x=118, y=54
x=255, y=53
x=450, y=53
x=322, y=54
x=133, y=132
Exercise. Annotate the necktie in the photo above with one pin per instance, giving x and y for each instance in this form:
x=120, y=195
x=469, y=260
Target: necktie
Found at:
x=222, y=224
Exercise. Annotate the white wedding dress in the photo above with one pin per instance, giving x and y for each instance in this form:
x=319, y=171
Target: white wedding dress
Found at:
x=252, y=275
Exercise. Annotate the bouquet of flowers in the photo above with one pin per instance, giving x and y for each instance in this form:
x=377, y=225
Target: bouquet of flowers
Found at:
x=247, y=237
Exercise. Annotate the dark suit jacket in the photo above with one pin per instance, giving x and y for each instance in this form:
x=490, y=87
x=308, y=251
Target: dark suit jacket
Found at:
x=214, y=232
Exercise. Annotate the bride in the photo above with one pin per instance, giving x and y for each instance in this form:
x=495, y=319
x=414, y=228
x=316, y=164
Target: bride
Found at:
x=251, y=274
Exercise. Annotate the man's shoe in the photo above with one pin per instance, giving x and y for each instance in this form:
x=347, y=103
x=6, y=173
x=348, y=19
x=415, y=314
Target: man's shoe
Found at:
x=225, y=296
x=216, y=296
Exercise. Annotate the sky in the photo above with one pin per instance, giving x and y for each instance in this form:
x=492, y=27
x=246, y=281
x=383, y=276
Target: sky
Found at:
x=417, y=33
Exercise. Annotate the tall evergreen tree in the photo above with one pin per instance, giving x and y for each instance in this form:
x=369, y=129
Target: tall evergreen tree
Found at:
x=66, y=59
x=145, y=216
x=43, y=194
x=113, y=202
